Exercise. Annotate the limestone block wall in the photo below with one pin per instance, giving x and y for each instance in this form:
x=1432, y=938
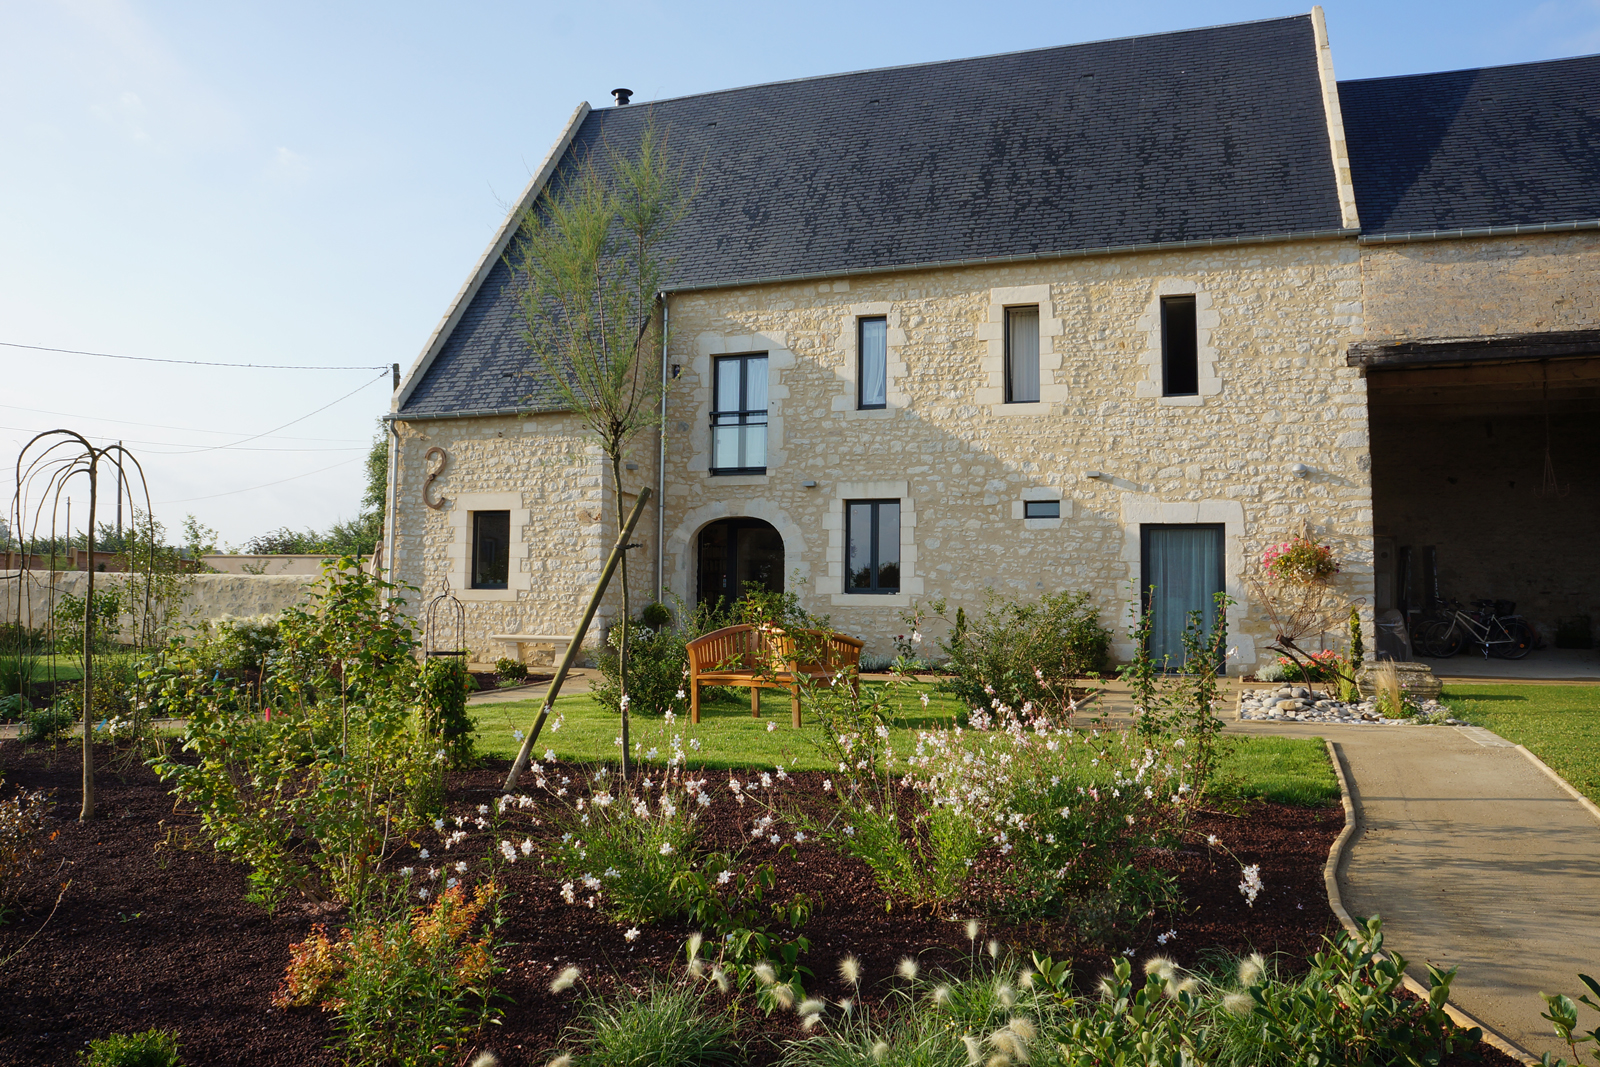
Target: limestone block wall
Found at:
x=548, y=472
x=209, y=595
x=1498, y=285
x=1273, y=321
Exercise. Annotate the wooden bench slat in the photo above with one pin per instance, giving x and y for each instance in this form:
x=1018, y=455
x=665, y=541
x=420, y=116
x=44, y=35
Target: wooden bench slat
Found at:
x=757, y=658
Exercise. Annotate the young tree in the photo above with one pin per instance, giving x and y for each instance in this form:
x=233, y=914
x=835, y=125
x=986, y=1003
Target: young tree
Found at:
x=589, y=262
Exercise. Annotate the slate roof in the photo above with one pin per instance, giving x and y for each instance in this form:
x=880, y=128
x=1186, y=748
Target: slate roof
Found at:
x=1499, y=146
x=1200, y=135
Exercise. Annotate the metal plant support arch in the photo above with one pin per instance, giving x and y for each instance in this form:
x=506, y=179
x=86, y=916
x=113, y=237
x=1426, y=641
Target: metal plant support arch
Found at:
x=445, y=611
x=47, y=464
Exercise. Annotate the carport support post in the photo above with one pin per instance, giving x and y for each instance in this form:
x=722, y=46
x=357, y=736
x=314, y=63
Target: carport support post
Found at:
x=567, y=660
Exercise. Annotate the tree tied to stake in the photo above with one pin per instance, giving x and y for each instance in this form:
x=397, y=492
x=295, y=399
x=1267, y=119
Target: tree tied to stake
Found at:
x=590, y=264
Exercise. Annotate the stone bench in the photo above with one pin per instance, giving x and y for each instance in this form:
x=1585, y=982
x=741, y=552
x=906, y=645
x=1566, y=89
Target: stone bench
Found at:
x=557, y=641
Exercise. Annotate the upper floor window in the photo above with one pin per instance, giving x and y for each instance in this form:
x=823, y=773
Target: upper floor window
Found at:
x=491, y=544
x=1180, y=357
x=1022, y=355
x=739, y=415
x=873, y=355
x=872, y=546
x=1041, y=509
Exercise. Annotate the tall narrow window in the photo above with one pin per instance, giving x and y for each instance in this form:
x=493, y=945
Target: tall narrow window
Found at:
x=872, y=539
x=491, y=542
x=739, y=416
x=873, y=366
x=1180, y=359
x=1022, y=355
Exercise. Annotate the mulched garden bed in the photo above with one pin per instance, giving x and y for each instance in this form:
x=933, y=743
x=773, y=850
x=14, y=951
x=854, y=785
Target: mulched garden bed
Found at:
x=153, y=928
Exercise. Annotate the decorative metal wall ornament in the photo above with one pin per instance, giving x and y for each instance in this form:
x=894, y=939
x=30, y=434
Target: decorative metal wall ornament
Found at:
x=445, y=617
x=444, y=460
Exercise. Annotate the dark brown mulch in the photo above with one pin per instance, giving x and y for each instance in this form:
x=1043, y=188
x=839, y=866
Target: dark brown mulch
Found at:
x=153, y=928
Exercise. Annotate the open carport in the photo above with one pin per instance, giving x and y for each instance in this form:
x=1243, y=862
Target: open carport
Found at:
x=1486, y=474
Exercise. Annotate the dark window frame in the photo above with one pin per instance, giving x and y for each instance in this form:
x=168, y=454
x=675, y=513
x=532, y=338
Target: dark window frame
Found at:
x=874, y=532
x=740, y=416
x=1180, y=346
x=1053, y=506
x=861, y=357
x=1038, y=315
x=476, y=561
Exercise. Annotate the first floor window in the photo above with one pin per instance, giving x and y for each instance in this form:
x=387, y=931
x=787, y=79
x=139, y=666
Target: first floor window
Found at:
x=874, y=363
x=739, y=415
x=872, y=539
x=1180, y=356
x=491, y=544
x=1041, y=509
x=1022, y=355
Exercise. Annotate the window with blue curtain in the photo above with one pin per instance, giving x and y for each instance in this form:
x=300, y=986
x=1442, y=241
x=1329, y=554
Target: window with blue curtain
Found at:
x=873, y=355
x=1182, y=568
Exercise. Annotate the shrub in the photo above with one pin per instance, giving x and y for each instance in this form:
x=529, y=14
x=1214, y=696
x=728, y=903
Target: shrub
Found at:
x=408, y=985
x=47, y=724
x=152, y=1048
x=510, y=670
x=658, y=660
x=13, y=707
x=667, y=1026
x=1563, y=1015
x=22, y=823
x=18, y=671
x=245, y=642
x=443, y=688
x=312, y=777
x=105, y=621
x=1023, y=653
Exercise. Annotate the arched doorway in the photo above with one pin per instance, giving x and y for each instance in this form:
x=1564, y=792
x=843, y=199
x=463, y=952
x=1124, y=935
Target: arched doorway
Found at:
x=734, y=554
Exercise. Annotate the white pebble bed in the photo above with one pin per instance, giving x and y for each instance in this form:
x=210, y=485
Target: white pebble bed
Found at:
x=1303, y=704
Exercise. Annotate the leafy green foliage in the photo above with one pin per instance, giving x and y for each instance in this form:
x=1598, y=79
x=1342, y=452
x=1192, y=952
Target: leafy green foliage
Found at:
x=1562, y=1013
x=510, y=670
x=312, y=776
x=409, y=985
x=152, y=1048
x=22, y=838
x=104, y=621
x=1021, y=652
x=443, y=687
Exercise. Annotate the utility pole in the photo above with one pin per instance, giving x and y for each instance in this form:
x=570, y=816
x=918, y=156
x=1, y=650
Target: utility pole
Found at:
x=120, y=547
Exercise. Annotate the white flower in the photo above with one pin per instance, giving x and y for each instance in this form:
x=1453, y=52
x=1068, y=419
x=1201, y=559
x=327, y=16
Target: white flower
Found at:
x=680, y=694
x=827, y=785
x=509, y=851
x=1213, y=840
x=422, y=893
x=799, y=837
x=438, y=824
x=924, y=699
x=422, y=854
x=483, y=809
x=527, y=846
x=451, y=883
x=771, y=726
x=405, y=872
x=666, y=848
x=549, y=755
x=461, y=867
x=774, y=839
x=516, y=735
x=724, y=877
x=632, y=934
x=567, y=893
x=1250, y=887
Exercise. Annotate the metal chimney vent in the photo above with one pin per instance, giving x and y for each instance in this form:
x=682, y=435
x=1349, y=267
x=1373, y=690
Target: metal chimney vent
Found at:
x=621, y=96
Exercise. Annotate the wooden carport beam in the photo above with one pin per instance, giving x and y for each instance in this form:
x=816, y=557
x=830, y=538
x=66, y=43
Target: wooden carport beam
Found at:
x=1557, y=373
x=1503, y=348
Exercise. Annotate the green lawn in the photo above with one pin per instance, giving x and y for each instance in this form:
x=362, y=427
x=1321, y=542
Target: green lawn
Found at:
x=1287, y=770
x=1558, y=723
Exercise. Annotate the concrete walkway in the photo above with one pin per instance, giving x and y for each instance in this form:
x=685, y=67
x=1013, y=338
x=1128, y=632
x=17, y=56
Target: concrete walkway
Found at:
x=1475, y=859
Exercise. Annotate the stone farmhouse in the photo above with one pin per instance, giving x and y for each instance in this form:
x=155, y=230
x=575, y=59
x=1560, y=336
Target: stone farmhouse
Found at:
x=1094, y=317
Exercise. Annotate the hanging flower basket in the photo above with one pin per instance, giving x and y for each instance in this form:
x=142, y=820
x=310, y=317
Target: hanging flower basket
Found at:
x=1299, y=561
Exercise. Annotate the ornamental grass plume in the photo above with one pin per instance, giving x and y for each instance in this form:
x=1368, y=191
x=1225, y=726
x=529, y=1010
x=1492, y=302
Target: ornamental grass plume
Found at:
x=486, y=1059
x=974, y=1050
x=811, y=1006
x=784, y=995
x=1238, y=1003
x=880, y=1051
x=850, y=970
x=565, y=980
x=907, y=969
x=563, y=1060
x=1252, y=969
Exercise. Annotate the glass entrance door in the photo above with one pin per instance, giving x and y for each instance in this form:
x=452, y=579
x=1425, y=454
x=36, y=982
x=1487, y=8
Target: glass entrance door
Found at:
x=1184, y=564
x=736, y=554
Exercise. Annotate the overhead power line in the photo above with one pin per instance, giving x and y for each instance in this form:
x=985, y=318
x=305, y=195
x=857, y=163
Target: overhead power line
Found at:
x=264, y=485
x=184, y=362
x=162, y=425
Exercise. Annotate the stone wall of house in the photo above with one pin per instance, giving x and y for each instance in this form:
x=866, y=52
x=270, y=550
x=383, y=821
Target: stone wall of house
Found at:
x=1498, y=285
x=1274, y=322
x=544, y=469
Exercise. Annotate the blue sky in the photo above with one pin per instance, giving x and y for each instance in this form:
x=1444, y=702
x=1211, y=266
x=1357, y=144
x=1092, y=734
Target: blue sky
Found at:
x=309, y=183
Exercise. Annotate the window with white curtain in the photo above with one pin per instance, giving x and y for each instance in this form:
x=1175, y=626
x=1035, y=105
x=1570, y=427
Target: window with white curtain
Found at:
x=739, y=415
x=1022, y=355
x=873, y=362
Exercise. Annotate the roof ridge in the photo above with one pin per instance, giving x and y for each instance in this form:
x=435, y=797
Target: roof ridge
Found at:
x=1470, y=70
x=930, y=63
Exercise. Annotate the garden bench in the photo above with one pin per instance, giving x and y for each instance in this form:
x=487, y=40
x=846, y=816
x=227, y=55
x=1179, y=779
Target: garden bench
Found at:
x=767, y=658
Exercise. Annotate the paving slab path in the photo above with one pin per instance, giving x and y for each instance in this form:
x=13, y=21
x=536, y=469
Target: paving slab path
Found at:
x=1476, y=859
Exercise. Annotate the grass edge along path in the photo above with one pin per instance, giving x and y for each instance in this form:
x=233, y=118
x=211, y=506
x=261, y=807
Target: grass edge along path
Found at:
x=1279, y=769
x=1558, y=723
